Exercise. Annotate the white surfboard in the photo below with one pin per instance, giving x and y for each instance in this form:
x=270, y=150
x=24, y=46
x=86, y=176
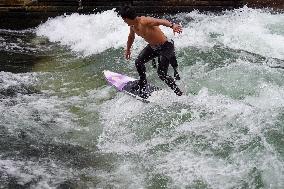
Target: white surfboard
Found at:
x=127, y=85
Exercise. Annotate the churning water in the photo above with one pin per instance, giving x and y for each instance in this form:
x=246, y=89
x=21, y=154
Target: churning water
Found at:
x=62, y=126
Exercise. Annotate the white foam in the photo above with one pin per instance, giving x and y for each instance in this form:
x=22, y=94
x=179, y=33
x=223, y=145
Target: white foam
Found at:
x=37, y=112
x=126, y=175
x=9, y=79
x=28, y=171
x=114, y=113
x=245, y=29
x=89, y=34
x=216, y=120
x=269, y=97
x=185, y=164
x=242, y=29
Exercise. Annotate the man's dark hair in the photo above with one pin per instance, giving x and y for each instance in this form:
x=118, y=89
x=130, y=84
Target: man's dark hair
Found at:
x=127, y=12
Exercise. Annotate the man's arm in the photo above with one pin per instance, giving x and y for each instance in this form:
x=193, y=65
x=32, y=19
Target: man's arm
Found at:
x=130, y=41
x=157, y=22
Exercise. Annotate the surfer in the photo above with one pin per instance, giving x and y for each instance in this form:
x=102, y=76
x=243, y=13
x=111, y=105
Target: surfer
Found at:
x=158, y=46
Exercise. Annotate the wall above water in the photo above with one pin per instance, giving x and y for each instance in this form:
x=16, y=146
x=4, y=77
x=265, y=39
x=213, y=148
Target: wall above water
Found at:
x=20, y=14
x=275, y=4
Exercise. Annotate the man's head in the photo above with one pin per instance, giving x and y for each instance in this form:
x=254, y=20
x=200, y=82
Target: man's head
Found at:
x=128, y=14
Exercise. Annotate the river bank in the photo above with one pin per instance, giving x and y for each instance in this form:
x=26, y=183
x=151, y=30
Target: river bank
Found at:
x=22, y=14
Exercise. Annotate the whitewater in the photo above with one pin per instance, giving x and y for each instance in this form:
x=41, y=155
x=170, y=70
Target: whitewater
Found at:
x=62, y=125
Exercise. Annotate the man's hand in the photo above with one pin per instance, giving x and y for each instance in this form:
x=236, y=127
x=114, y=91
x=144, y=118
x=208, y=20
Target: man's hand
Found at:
x=177, y=28
x=127, y=54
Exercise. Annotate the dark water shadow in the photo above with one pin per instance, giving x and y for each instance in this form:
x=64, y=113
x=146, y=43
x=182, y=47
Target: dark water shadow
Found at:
x=17, y=62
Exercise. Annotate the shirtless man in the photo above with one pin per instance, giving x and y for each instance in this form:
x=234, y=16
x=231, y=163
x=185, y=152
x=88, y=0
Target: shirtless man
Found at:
x=159, y=46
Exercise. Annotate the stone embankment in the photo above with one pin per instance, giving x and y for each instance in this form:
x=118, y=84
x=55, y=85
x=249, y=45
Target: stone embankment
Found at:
x=19, y=14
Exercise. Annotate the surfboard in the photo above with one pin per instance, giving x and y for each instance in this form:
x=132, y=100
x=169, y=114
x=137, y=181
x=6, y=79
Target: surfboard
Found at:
x=128, y=85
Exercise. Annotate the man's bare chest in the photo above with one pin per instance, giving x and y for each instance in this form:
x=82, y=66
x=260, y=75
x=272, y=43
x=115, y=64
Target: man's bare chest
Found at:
x=141, y=31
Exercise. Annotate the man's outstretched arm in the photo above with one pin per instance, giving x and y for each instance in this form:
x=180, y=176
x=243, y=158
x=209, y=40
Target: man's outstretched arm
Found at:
x=157, y=22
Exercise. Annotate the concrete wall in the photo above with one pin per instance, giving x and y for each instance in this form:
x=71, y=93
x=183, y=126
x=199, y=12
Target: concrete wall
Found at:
x=275, y=4
x=19, y=14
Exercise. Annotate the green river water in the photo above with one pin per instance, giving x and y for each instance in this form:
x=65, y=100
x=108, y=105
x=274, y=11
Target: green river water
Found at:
x=63, y=126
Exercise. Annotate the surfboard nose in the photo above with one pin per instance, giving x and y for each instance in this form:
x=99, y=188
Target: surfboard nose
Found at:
x=106, y=72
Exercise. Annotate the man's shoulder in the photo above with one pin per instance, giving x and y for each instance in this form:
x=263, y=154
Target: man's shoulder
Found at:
x=145, y=19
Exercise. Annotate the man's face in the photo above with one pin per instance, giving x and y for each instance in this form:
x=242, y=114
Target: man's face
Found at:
x=128, y=21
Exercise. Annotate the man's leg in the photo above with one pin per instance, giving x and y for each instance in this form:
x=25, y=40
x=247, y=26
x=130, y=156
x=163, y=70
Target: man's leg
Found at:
x=173, y=62
x=168, y=50
x=146, y=54
x=163, y=75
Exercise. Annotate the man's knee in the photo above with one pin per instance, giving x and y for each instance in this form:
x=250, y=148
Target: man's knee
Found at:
x=139, y=65
x=138, y=62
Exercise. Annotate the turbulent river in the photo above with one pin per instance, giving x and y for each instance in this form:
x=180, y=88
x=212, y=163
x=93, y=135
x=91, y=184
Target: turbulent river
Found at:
x=63, y=126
